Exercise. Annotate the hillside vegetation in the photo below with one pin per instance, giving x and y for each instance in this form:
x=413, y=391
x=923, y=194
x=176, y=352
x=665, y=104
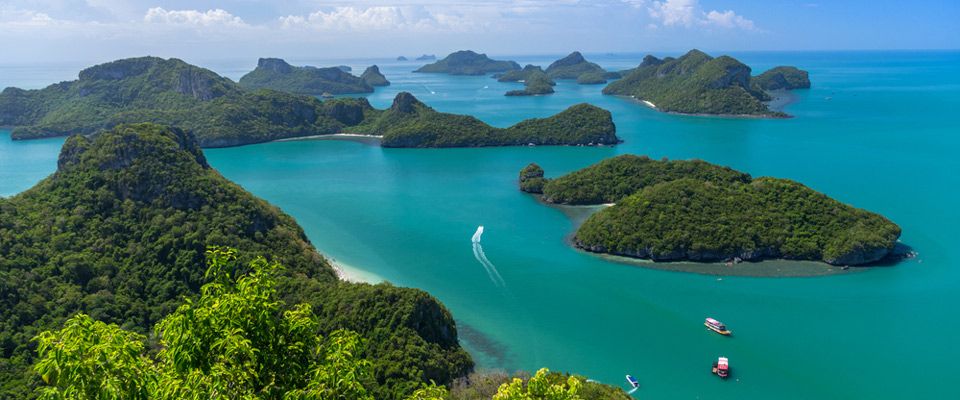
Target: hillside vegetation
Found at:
x=696, y=83
x=277, y=74
x=466, y=62
x=410, y=123
x=120, y=232
x=693, y=210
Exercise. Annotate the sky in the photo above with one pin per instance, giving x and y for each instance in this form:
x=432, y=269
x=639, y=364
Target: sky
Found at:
x=51, y=30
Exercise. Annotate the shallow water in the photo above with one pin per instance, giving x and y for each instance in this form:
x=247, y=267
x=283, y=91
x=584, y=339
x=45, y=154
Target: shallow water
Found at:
x=877, y=130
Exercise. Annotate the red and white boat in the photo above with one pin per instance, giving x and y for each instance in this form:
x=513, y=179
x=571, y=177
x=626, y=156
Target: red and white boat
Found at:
x=721, y=367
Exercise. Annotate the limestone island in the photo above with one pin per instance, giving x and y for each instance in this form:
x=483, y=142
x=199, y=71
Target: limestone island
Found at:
x=401, y=58
x=535, y=81
x=575, y=66
x=427, y=57
x=221, y=113
x=410, y=123
x=466, y=62
x=697, y=211
x=169, y=91
x=276, y=74
x=372, y=76
x=699, y=84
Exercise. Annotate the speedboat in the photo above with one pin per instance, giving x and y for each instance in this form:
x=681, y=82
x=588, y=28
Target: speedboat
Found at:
x=633, y=381
x=716, y=326
x=721, y=367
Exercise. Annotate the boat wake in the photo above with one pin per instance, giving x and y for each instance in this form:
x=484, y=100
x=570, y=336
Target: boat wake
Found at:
x=482, y=258
x=633, y=390
x=428, y=89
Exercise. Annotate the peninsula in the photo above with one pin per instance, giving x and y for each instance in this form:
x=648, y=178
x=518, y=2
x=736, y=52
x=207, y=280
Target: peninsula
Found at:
x=277, y=74
x=410, y=123
x=128, y=216
x=466, y=62
x=697, y=83
x=697, y=211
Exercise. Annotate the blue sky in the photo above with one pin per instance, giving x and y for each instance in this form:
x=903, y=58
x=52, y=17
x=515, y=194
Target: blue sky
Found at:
x=44, y=30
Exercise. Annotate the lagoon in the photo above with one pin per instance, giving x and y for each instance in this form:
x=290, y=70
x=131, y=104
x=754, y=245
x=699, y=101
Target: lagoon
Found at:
x=878, y=130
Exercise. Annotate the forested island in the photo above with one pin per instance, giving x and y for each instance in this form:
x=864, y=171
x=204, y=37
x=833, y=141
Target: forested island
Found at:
x=277, y=74
x=372, y=76
x=466, y=62
x=697, y=211
x=697, y=83
x=111, y=245
x=150, y=89
x=410, y=123
x=535, y=81
x=574, y=66
x=221, y=113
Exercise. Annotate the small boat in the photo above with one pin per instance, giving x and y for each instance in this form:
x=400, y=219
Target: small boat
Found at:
x=721, y=367
x=716, y=326
x=633, y=381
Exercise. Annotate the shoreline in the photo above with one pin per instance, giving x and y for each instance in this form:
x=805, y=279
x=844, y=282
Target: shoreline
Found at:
x=329, y=136
x=767, y=268
x=653, y=106
x=349, y=273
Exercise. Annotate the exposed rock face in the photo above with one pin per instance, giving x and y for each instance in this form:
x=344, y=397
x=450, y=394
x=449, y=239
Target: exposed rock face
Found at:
x=861, y=256
x=735, y=73
x=275, y=65
x=373, y=77
x=531, y=179
x=404, y=103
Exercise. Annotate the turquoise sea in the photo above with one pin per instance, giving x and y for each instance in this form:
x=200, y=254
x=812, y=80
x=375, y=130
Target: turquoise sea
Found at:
x=878, y=130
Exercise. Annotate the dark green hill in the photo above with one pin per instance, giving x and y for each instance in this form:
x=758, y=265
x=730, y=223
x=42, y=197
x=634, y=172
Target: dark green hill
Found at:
x=410, y=123
x=572, y=67
x=695, y=83
x=150, y=89
x=783, y=78
x=119, y=232
x=466, y=62
x=276, y=74
x=372, y=76
x=535, y=81
x=693, y=210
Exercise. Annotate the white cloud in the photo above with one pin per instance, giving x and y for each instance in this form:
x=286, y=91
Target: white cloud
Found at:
x=381, y=18
x=689, y=14
x=729, y=19
x=216, y=17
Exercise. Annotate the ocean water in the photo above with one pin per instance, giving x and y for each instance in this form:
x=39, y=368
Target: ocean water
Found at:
x=878, y=130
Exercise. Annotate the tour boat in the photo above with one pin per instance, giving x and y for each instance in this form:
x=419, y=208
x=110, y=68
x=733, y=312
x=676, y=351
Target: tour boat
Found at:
x=633, y=381
x=721, y=367
x=716, y=326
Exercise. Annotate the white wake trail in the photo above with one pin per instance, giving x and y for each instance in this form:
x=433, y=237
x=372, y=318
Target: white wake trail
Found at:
x=484, y=261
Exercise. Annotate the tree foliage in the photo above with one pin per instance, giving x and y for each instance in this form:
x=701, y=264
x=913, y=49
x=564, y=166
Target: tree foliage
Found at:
x=695, y=83
x=276, y=74
x=119, y=233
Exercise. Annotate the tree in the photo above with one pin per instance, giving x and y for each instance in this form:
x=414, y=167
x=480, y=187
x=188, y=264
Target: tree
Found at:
x=540, y=387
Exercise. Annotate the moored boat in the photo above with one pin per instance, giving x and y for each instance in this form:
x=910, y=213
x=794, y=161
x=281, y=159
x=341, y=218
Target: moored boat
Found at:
x=716, y=326
x=721, y=367
x=633, y=381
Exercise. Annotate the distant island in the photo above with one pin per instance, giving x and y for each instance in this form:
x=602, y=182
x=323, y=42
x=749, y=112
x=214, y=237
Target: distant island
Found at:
x=575, y=66
x=401, y=58
x=427, y=57
x=466, y=62
x=697, y=83
x=276, y=74
x=149, y=89
x=222, y=113
x=535, y=81
x=372, y=76
x=410, y=123
x=697, y=211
